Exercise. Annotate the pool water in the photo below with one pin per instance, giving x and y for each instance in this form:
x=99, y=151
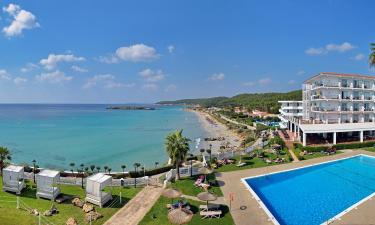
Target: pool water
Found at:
x=315, y=194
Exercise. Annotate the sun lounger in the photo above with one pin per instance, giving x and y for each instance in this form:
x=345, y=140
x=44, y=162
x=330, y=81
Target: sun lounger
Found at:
x=210, y=207
x=241, y=164
x=210, y=214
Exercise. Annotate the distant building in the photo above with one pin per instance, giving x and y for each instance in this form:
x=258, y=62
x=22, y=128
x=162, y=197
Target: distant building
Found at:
x=335, y=108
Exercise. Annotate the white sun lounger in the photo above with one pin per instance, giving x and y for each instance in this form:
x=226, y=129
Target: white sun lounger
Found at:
x=241, y=164
x=210, y=214
x=210, y=207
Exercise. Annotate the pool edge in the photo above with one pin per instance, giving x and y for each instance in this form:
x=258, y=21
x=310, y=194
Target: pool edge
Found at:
x=272, y=218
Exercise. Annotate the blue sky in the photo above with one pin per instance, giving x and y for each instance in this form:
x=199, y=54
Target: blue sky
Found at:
x=145, y=51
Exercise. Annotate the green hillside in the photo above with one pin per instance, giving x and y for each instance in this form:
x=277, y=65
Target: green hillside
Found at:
x=261, y=101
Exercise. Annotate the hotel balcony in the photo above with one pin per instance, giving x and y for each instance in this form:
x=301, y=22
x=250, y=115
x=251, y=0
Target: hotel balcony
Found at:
x=341, y=85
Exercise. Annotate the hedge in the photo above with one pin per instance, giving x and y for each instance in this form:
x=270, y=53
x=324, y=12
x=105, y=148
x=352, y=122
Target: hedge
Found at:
x=337, y=146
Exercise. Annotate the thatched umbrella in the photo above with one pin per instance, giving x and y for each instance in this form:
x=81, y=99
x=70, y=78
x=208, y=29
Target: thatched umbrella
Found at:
x=180, y=216
x=205, y=171
x=206, y=196
x=171, y=193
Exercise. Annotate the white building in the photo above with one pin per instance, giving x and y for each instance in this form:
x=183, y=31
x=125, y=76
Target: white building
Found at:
x=335, y=108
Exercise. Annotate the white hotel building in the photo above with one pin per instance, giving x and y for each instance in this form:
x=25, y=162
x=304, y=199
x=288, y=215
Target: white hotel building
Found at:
x=335, y=108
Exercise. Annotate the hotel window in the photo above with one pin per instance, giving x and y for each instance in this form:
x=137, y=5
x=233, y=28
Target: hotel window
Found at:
x=344, y=83
x=367, y=84
x=357, y=84
x=344, y=107
x=355, y=118
x=355, y=107
x=367, y=118
x=368, y=96
x=356, y=95
x=367, y=107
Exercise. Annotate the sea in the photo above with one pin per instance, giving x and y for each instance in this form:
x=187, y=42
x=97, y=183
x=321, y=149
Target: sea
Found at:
x=56, y=135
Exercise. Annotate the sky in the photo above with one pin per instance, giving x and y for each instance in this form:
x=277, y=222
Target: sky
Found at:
x=89, y=51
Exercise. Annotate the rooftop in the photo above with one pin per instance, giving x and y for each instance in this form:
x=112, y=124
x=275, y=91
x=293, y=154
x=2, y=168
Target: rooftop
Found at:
x=340, y=75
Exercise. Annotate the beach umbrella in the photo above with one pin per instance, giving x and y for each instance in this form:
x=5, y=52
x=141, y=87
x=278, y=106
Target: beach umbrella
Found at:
x=180, y=216
x=205, y=171
x=171, y=193
x=206, y=196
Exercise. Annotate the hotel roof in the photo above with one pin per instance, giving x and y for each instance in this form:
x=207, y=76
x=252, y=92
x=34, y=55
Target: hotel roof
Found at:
x=340, y=75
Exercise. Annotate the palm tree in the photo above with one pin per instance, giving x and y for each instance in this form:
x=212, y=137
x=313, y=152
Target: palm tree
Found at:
x=92, y=167
x=209, y=153
x=156, y=164
x=98, y=168
x=136, y=165
x=4, y=156
x=105, y=169
x=109, y=170
x=177, y=147
x=72, y=167
x=123, y=168
x=372, y=55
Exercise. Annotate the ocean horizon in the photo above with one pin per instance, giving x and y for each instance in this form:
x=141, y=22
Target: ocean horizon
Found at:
x=56, y=135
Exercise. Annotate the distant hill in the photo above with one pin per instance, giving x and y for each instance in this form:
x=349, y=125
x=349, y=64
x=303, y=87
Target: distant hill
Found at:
x=261, y=101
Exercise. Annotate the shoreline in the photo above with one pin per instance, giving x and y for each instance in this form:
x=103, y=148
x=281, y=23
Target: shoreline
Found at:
x=216, y=129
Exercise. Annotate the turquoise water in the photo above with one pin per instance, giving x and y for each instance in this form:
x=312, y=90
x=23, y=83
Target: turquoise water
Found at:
x=315, y=194
x=56, y=135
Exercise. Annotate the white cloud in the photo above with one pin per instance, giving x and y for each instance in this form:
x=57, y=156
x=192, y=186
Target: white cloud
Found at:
x=150, y=75
x=22, y=20
x=132, y=53
x=150, y=87
x=4, y=75
x=359, y=57
x=315, y=51
x=265, y=81
x=249, y=84
x=301, y=72
x=29, y=67
x=106, y=80
x=19, y=80
x=171, y=48
x=79, y=69
x=291, y=82
x=170, y=88
x=52, y=60
x=54, y=77
x=217, y=76
x=344, y=47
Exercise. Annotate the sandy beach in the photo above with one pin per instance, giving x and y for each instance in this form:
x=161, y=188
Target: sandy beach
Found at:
x=216, y=129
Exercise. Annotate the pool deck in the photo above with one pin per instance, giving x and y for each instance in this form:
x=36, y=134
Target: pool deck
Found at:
x=253, y=214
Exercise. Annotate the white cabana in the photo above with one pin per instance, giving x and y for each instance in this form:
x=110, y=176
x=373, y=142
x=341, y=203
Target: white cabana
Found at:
x=46, y=182
x=13, y=179
x=94, y=189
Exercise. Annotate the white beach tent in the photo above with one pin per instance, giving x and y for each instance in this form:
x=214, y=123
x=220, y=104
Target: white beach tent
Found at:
x=94, y=186
x=13, y=179
x=46, y=181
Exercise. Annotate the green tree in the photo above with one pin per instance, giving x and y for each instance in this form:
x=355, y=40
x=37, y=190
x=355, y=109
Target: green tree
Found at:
x=372, y=55
x=92, y=167
x=4, y=157
x=136, y=165
x=72, y=164
x=123, y=168
x=177, y=147
x=105, y=169
x=98, y=168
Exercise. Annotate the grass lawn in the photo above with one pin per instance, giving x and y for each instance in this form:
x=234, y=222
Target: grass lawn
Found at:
x=250, y=162
x=186, y=186
x=160, y=212
x=370, y=149
x=10, y=215
x=314, y=155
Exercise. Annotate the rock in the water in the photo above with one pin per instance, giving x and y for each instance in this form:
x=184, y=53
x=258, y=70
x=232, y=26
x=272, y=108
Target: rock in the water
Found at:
x=87, y=208
x=92, y=216
x=77, y=202
x=71, y=221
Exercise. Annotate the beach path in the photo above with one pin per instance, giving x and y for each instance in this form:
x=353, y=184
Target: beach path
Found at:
x=133, y=212
x=238, y=123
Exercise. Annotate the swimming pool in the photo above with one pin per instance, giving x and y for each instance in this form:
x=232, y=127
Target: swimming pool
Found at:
x=314, y=194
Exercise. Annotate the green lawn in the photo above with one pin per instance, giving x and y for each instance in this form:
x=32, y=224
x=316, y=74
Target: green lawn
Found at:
x=370, y=149
x=158, y=215
x=10, y=215
x=186, y=186
x=314, y=155
x=250, y=163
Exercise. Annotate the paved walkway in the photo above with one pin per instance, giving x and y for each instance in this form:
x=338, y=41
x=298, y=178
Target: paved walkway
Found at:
x=134, y=211
x=238, y=123
x=252, y=213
